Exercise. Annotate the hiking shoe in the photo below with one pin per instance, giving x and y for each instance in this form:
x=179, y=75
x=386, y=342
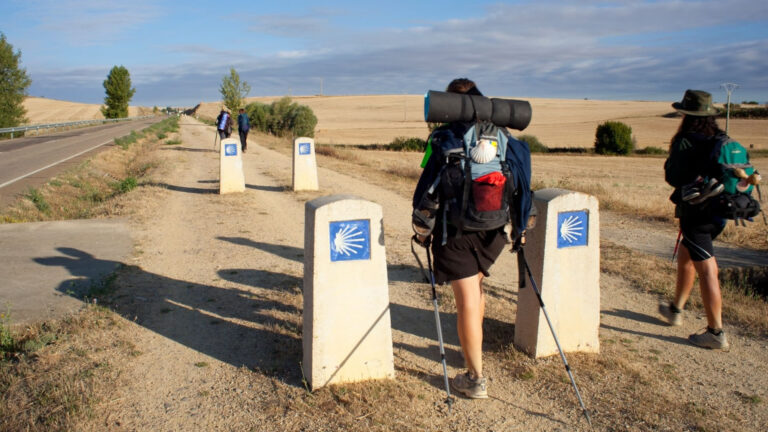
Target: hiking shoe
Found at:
x=692, y=190
x=674, y=318
x=471, y=388
x=712, y=188
x=709, y=340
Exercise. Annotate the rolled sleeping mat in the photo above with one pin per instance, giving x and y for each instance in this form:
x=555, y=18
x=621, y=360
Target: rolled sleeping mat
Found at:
x=444, y=107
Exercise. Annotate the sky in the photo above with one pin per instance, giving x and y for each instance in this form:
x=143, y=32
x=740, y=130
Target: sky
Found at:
x=177, y=52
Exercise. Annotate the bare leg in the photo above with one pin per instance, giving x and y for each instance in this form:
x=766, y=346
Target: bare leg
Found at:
x=686, y=276
x=710, y=292
x=470, y=307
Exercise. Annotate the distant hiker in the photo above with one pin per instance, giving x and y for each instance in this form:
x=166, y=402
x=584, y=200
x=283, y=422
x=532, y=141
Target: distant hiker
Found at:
x=464, y=249
x=692, y=168
x=224, y=124
x=243, y=125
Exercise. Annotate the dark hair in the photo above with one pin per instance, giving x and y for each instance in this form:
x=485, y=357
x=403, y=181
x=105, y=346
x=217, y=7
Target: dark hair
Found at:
x=463, y=86
x=703, y=125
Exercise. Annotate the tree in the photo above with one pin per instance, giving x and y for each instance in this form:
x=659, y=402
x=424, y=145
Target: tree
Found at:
x=233, y=91
x=119, y=93
x=13, y=86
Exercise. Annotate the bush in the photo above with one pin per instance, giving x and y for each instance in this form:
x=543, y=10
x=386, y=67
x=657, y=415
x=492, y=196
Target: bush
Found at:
x=613, y=138
x=533, y=143
x=303, y=121
x=282, y=118
x=407, y=144
x=651, y=151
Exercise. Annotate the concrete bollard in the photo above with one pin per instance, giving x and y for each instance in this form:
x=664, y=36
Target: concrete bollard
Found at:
x=563, y=251
x=347, y=334
x=304, y=164
x=231, y=178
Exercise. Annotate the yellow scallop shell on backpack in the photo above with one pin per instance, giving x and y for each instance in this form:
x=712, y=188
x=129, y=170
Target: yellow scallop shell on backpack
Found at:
x=484, y=151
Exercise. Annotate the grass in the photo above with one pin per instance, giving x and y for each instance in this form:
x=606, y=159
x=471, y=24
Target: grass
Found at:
x=93, y=188
x=631, y=388
x=55, y=373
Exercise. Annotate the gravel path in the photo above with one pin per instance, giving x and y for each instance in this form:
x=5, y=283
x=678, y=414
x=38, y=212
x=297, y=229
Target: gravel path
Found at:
x=213, y=302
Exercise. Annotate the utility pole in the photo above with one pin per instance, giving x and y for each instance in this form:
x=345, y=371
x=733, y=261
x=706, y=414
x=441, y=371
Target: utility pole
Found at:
x=729, y=88
x=321, y=86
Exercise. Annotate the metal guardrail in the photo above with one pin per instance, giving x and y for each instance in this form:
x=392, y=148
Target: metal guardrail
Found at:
x=54, y=126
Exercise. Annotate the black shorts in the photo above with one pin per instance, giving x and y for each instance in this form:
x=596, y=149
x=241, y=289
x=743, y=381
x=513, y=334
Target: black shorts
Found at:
x=698, y=236
x=468, y=255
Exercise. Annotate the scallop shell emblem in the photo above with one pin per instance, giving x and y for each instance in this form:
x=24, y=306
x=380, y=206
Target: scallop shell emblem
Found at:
x=571, y=229
x=484, y=151
x=347, y=241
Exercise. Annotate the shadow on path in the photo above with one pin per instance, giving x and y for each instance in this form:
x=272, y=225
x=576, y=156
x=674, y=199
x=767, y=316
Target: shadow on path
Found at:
x=635, y=316
x=186, y=189
x=267, y=188
x=672, y=339
x=258, y=330
x=288, y=252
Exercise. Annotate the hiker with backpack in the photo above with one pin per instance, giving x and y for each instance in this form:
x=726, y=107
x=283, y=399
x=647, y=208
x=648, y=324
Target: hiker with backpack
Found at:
x=702, y=169
x=224, y=124
x=476, y=180
x=243, y=126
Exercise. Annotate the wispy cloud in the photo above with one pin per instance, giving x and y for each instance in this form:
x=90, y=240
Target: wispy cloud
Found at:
x=596, y=49
x=91, y=22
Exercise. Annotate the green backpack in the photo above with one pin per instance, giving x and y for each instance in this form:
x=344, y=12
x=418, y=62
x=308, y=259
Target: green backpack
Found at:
x=734, y=156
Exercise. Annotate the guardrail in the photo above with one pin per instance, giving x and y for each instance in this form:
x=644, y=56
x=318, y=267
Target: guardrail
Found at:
x=55, y=126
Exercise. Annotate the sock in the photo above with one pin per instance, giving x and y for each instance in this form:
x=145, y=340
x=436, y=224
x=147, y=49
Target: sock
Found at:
x=674, y=308
x=716, y=332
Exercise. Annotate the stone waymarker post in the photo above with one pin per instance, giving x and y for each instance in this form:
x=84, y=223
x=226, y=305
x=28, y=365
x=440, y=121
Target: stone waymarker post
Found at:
x=231, y=178
x=347, y=335
x=563, y=251
x=304, y=164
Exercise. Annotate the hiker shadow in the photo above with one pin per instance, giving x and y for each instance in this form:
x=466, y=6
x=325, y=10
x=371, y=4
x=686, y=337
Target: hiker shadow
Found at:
x=89, y=272
x=260, y=331
x=287, y=252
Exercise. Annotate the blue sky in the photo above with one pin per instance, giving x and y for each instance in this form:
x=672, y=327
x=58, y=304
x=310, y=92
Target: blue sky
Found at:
x=178, y=51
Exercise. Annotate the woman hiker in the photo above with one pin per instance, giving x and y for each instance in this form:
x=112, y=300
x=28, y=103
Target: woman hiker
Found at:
x=693, y=169
x=466, y=257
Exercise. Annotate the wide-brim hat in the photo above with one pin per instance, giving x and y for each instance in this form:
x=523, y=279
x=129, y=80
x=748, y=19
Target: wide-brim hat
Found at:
x=696, y=103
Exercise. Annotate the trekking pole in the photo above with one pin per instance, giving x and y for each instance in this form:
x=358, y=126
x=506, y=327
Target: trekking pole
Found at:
x=677, y=244
x=431, y=279
x=215, y=138
x=521, y=254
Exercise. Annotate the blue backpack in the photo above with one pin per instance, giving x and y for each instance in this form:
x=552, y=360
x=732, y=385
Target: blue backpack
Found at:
x=483, y=180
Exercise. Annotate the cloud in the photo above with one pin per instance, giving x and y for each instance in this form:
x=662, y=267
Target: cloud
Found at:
x=90, y=22
x=596, y=49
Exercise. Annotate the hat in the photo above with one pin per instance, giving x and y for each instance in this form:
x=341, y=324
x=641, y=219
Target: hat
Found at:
x=696, y=103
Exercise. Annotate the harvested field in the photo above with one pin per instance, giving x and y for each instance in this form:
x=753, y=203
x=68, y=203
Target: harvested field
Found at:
x=557, y=123
x=42, y=110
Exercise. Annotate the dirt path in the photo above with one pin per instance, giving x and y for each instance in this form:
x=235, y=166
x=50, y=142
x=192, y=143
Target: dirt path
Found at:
x=213, y=300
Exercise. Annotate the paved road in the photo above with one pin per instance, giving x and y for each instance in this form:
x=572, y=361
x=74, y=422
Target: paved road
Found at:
x=46, y=266
x=31, y=161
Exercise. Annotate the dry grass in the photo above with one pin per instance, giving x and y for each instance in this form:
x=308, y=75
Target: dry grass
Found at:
x=61, y=370
x=90, y=189
x=557, y=123
x=623, y=386
x=41, y=110
x=742, y=306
